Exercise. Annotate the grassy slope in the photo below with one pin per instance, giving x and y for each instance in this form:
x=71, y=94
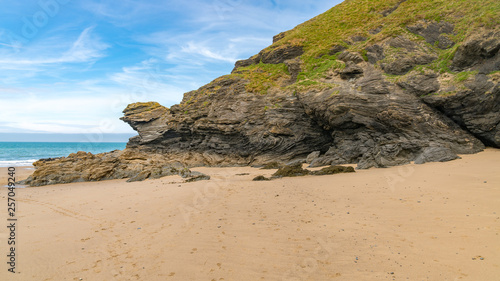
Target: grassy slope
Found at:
x=357, y=17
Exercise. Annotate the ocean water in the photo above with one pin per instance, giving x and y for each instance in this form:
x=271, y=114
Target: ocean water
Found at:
x=25, y=153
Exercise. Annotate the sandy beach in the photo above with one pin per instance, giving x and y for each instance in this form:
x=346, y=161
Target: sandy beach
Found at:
x=438, y=221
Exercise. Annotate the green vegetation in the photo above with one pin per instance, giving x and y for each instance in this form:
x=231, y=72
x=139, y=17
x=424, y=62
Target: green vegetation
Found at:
x=334, y=93
x=141, y=107
x=465, y=75
x=442, y=64
x=333, y=170
x=271, y=165
x=296, y=170
x=291, y=171
x=263, y=76
x=314, y=68
x=339, y=25
x=355, y=18
x=261, y=178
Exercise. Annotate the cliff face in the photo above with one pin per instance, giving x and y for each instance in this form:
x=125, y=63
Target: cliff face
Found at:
x=378, y=84
x=223, y=124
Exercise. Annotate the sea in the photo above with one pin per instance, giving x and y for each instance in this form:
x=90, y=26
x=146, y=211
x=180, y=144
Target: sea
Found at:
x=14, y=154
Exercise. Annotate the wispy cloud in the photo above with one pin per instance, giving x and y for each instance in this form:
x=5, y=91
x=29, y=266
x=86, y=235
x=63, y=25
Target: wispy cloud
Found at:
x=149, y=80
x=192, y=48
x=86, y=48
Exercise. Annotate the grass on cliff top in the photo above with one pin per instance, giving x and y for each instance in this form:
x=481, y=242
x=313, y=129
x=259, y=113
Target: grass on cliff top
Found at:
x=140, y=107
x=357, y=17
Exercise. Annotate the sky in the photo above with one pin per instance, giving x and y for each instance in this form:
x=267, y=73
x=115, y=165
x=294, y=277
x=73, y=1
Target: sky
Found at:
x=70, y=66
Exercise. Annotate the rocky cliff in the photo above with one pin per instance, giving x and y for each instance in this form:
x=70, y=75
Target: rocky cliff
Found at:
x=377, y=83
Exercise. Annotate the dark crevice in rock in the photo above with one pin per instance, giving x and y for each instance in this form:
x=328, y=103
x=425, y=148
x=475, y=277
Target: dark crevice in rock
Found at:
x=351, y=71
x=475, y=110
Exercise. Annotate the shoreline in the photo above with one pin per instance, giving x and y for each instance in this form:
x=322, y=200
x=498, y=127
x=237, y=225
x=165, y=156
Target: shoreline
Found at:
x=437, y=221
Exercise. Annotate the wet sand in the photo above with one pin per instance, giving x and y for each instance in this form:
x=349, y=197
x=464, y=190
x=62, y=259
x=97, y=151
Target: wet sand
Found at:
x=438, y=221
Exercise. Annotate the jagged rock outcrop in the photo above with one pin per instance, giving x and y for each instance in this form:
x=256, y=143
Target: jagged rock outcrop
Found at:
x=230, y=127
x=274, y=56
x=85, y=166
x=377, y=124
x=379, y=90
x=434, y=32
x=479, y=52
x=400, y=55
x=365, y=118
x=476, y=108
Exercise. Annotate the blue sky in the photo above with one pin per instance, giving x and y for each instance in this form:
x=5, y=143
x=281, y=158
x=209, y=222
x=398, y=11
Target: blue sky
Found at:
x=69, y=66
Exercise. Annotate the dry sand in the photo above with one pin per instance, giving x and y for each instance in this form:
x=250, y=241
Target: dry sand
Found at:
x=417, y=222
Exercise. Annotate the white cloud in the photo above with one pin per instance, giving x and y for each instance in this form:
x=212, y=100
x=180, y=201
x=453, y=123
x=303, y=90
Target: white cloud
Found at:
x=64, y=110
x=193, y=48
x=149, y=81
x=86, y=48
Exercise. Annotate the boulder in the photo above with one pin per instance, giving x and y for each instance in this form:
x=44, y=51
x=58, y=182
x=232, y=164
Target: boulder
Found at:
x=83, y=166
x=480, y=50
x=312, y=156
x=435, y=154
x=420, y=84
